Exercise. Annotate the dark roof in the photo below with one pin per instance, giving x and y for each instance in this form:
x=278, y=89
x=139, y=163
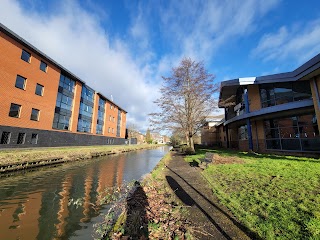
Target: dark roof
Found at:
x=305, y=71
x=25, y=43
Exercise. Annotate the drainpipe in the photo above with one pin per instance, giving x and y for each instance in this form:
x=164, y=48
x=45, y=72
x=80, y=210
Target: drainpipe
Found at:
x=246, y=102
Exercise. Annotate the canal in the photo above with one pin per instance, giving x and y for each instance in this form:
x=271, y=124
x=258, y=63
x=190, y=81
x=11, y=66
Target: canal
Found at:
x=38, y=204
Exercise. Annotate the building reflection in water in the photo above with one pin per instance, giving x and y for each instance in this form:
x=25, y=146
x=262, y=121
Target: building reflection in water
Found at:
x=40, y=204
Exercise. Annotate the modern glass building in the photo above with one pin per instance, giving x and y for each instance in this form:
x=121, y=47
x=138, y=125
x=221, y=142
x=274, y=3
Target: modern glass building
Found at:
x=274, y=113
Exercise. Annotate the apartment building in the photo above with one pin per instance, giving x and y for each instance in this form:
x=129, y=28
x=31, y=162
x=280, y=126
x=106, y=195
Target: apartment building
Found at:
x=274, y=113
x=43, y=104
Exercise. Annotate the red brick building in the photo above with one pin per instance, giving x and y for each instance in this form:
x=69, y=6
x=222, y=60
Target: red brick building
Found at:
x=44, y=104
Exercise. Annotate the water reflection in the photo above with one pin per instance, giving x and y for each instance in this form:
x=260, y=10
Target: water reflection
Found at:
x=41, y=204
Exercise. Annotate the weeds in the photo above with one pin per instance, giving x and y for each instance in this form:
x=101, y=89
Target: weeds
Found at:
x=149, y=210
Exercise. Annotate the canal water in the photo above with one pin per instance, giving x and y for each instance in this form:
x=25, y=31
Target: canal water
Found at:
x=36, y=205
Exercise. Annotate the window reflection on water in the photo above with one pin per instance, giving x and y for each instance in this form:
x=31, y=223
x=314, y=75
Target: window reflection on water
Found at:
x=40, y=204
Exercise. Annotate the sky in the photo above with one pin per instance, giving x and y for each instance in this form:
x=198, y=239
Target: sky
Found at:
x=123, y=48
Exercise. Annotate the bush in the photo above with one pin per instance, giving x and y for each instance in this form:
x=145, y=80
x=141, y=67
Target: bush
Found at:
x=187, y=150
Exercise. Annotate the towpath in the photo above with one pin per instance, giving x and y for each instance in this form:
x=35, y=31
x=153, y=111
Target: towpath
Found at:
x=210, y=218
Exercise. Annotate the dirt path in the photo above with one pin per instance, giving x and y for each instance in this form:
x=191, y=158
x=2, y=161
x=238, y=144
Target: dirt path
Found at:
x=211, y=220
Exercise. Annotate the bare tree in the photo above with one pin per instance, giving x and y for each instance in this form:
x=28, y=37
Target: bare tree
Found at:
x=186, y=99
x=132, y=130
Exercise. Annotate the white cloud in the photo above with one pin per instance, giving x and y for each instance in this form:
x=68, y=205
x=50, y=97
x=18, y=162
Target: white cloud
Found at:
x=298, y=42
x=200, y=29
x=75, y=38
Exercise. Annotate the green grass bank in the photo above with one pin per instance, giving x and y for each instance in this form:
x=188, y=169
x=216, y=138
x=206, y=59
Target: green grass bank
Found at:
x=277, y=197
x=19, y=159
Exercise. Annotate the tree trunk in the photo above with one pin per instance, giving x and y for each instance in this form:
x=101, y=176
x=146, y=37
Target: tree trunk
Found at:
x=191, y=143
x=187, y=139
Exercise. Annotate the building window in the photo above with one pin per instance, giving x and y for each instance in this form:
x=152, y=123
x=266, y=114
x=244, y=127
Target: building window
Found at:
x=109, y=129
x=86, y=110
x=21, y=82
x=43, y=66
x=66, y=83
x=34, y=138
x=26, y=56
x=84, y=125
x=285, y=92
x=39, y=90
x=100, y=120
x=15, y=110
x=112, y=130
x=87, y=93
x=21, y=138
x=64, y=101
x=296, y=133
x=243, y=132
x=5, y=138
x=119, y=123
x=111, y=106
x=34, y=114
x=61, y=121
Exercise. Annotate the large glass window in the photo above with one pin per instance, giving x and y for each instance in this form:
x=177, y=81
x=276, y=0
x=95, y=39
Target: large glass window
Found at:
x=298, y=133
x=85, y=110
x=100, y=120
x=119, y=123
x=66, y=83
x=87, y=93
x=61, y=121
x=84, y=125
x=64, y=103
x=285, y=92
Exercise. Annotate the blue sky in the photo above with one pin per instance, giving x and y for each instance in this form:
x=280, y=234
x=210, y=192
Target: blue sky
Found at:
x=122, y=48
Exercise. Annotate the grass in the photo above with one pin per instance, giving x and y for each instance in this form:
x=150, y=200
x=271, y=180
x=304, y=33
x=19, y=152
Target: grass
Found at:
x=30, y=154
x=277, y=197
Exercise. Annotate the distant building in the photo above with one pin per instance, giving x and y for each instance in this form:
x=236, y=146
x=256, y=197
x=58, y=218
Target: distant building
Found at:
x=210, y=131
x=135, y=136
x=157, y=138
x=42, y=104
x=275, y=113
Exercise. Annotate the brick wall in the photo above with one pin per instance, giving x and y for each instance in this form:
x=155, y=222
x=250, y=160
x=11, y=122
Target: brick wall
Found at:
x=111, y=119
x=12, y=65
x=254, y=97
x=56, y=138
